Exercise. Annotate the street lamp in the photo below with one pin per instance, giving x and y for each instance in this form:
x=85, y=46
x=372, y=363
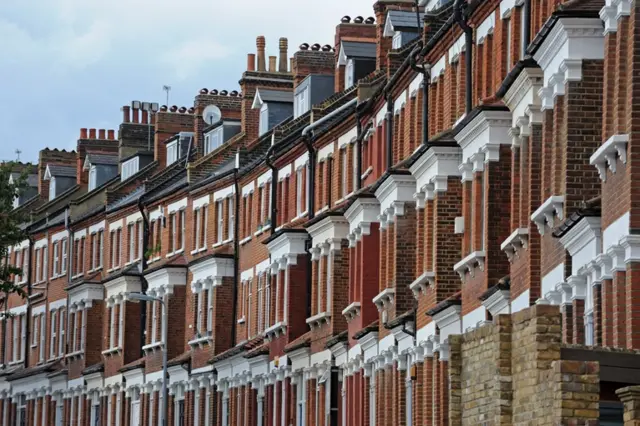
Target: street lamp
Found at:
x=141, y=297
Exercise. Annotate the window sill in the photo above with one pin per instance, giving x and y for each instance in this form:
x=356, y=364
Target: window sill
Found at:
x=201, y=341
x=351, y=311
x=367, y=173
x=175, y=253
x=12, y=363
x=112, y=352
x=200, y=250
x=241, y=320
x=153, y=347
x=34, y=345
x=318, y=320
x=91, y=271
x=75, y=355
x=245, y=240
x=275, y=331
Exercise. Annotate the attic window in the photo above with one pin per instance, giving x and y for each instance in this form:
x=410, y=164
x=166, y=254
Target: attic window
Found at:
x=129, y=168
x=397, y=40
x=301, y=102
x=172, y=152
x=349, y=74
x=52, y=188
x=93, y=178
x=264, y=119
x=213, y=139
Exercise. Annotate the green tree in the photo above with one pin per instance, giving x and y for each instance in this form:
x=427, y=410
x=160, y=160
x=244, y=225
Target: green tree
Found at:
x=12, y=231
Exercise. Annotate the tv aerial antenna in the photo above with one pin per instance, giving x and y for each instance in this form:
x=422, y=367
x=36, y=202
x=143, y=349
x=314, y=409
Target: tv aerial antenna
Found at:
x=18, y=152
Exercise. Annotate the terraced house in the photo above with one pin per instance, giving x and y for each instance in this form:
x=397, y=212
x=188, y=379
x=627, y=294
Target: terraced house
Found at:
x=432, y=220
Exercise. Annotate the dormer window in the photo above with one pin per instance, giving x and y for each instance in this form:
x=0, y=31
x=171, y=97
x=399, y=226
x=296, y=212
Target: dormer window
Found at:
x=275, y=107
x=178, y=146
x=349, y=74
x=60, y=179
x=102, y=168
x=301, y=102
x=129, y=168
x=403, y=26
x=172, y=152
x=359, y=60
x=93, y=178
x=219, y=133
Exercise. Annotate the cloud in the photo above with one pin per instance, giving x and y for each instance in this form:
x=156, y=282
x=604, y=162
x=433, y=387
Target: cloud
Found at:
x=78, y=61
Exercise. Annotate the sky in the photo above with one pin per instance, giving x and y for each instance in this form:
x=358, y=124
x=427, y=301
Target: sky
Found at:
x=69, y=64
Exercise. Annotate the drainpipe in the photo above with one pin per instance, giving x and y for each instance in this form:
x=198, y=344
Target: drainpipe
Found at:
x=67, y=225
x=526, y=25
x=389, y=136
x=461, y=20
x=27, y=345
x=426, y=74
x=236, y=251
x=274, y=184
x=143, y=267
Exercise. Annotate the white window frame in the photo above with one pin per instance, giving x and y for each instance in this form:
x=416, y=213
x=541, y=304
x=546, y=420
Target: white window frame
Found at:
x=508, y=24
x=52, y=188
x=231, y=215
x=210, y=310
x=121, y=325
x=260, y=303
x=349, y=77
x=62, y=321
x=172, y=152
x=344, y=178
x=38, y=265
x=299, y=191
x=100, y=247
x=302, y=102
x=130, y=168
x=56, y=259
x=23, y=336
x=15, y=336
x=140, y=226
x=197, y=214
x=65, y=247
x=131, y=228
x=214, y=139
x=200, y=313
x=45, y=263
x=54, y=333
x=36, y=330
x=154, y=321
x=112, y=327
x=182, y=214
x=94, y=251
x=267, y=300
x=264, y=119
x=220, y=214
x=396, y=42
x=93, y=178
x=43, y=336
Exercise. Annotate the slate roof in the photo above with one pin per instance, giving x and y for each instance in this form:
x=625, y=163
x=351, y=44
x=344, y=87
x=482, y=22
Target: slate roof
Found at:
x=401, y=19
x=267, y=95
x=62, y=171
x=32, y=181
x=359, y=49
x=103, y=159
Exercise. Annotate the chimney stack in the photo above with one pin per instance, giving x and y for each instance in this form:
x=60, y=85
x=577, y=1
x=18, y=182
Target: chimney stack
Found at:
x=272, y=64
x=83, y=133
x=102, y=134
x=251, y=62
x=284, y=46
x=126, y=114
x=261, y=44
x=92, y=133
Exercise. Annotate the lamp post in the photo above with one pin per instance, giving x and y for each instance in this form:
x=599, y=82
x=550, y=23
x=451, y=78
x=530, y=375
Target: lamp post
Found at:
x=140, y=297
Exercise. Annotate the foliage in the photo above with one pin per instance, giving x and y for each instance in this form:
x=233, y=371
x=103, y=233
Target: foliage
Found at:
x=12, y=222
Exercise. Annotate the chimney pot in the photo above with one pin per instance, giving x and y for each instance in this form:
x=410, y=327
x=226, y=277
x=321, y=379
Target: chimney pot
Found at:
x=204, y=91
x=261, y=44
x=111, y=135
x=251, y=62
x=213, y=92
x=126, y=114
x=164, y=108
x=135, y=115
x=272, y=64
x=83, y=133
x=174, y=108
x=224, y=93
x=284, y=47
x=145, y=117
x=102, y=134
x=92, y=133
x=182, y=110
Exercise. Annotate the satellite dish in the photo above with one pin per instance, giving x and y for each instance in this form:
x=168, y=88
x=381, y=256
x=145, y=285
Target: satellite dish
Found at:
x=211, y=114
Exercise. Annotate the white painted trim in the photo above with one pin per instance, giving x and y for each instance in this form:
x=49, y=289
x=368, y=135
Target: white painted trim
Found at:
x=301, y=161
x=224, y=193
x=57, y=304
x=133, y=218
x=118, y=224
x=178, y=205
x=284, y=172
x=59, y=236
x=248, y=189
x=40, y=243
x=347, y=137
x=264, y=178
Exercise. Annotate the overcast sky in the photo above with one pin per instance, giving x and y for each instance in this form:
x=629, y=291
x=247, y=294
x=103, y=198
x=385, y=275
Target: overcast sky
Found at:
x=67, y=64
